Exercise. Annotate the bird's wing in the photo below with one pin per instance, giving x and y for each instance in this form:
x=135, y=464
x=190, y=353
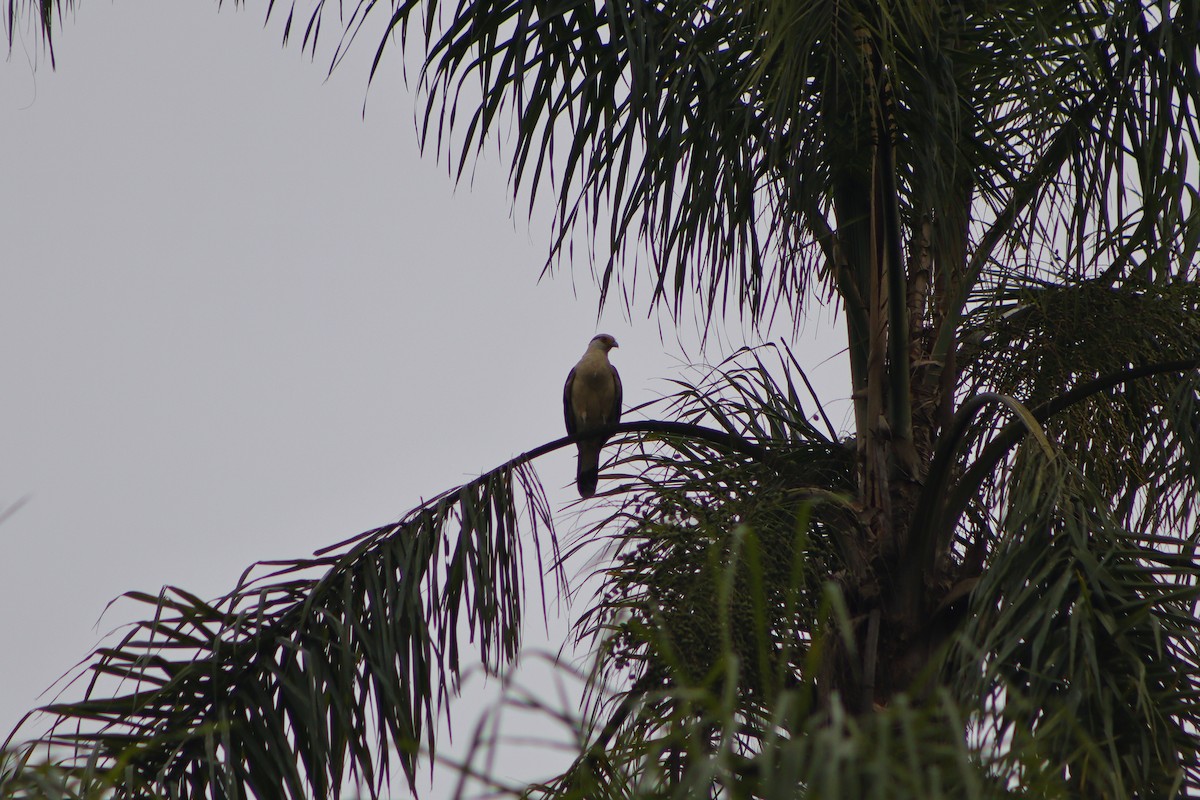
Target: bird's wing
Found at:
x=616, y=406
x=568, y=411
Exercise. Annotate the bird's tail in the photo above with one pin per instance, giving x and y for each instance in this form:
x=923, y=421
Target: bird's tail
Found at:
x=588, y=471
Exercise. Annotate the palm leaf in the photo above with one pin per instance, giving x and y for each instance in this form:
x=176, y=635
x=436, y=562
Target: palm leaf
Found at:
x=314, y=672
x=1042, y=343
x=1080, y=649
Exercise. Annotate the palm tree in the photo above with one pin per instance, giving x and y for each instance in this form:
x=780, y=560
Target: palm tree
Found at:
x=988, y=588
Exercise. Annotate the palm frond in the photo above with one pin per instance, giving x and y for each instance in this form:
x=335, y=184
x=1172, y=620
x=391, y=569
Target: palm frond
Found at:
x=1080, y=648
x=716, y=134
x=1040, y=343
x=319, y=672
x=313, y=672
x=43, y=14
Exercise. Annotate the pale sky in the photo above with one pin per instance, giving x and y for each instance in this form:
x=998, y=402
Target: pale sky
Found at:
x=240, y=321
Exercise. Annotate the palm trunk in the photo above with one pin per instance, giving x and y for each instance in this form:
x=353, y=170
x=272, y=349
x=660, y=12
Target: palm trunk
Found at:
x=888, y=607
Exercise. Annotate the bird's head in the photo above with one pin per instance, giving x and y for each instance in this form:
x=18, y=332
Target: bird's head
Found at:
x=604, y=342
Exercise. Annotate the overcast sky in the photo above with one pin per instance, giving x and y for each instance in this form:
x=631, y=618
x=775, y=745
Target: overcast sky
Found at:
x=238, y=321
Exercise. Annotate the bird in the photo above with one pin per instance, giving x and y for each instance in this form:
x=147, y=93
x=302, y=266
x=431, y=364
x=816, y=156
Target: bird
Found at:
x=592, y=400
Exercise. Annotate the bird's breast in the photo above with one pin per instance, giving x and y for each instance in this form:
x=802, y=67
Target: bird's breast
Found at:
x=592, y=394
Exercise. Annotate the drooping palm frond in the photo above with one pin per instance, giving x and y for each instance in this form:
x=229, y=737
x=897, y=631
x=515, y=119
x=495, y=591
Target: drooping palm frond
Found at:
x=639, y=114
x=718, y=133
x=1080, y=652
x=1109, y=375
x=1041, y=342
x=44, y=14
x=315, y=672
x=1084, y=159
